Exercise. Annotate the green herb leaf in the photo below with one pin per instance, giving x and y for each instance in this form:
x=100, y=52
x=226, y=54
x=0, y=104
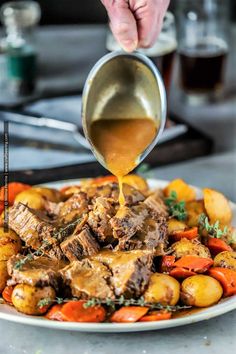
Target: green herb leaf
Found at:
x=121, y=301
x=213, y=230
x=176, y=209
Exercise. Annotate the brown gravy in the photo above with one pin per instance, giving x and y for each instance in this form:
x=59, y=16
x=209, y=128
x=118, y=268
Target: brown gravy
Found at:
x=121, y=142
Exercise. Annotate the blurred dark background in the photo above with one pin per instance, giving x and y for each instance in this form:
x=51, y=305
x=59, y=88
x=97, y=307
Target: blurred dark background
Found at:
x=81, y=11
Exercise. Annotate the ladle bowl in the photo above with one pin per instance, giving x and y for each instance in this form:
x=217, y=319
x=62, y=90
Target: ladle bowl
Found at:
x=124, y=86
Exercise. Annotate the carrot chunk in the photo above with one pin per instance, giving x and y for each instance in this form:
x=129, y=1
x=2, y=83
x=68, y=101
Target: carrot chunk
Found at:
x=189, y=234
x=194, y=263
x=156, y=316
x=74, y=311
x=217, y=245
x=55, y=313
x=7, y=293
x=14, y=188
x=181, y=273
x=227, y=278
x=129, y=314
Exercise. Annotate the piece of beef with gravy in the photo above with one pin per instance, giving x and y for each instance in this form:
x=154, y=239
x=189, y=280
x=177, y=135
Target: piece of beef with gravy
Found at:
x=34, y=230
x=130, y=270
x=80, y=244
x=88, y=278
x=41, y=271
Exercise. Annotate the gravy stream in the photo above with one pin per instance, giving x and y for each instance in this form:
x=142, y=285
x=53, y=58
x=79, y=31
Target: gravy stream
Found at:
x=121, y=142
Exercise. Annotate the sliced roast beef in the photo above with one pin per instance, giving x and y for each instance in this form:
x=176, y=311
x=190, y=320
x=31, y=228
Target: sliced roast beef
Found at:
x=128, y=221
x=74, y=207
x=111, y=190
x=41, y=271
x=156, y=203
x=130, y=270
x=99, y=218
x=88, y=278
x=35, y=231
x=81, y=243
x=153, y=236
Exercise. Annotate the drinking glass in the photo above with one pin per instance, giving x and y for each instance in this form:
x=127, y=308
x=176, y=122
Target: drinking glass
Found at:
x=203, y=27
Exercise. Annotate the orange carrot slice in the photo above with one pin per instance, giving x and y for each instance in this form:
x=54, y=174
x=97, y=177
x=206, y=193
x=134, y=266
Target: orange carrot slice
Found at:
x=129, y=314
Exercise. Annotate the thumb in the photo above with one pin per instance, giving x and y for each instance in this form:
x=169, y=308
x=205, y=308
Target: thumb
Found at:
x=122, y=23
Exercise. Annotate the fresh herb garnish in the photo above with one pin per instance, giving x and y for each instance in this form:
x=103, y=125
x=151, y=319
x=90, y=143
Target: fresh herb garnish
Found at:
x=30, y=256
x=121, y=301
x=176, y=209
x=213, y=230
x=59, y=235
x=63, y=232
x=45, y=302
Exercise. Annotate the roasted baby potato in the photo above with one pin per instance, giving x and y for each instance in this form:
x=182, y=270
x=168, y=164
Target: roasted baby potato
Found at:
x=136, y=182
x=32, y=198
x=10, y=244
x=162, y=288
x=50, y=194
x=201, y=291
x=186, y=247
x=217, y=207
x=175, y=225
x=3, y=275
x=182, y=189
x=26, y=298
x=194, y=209
x=225, y=259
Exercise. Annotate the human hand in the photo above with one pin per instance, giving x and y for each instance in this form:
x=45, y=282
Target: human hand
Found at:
x=136, y=23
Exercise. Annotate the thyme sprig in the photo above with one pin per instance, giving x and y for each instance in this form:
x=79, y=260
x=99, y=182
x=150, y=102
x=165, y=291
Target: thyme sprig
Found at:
x=63, y=232
x=213, y=230
x=58, y=235
x=30, y=256
x=121, y=301
x=176, y=208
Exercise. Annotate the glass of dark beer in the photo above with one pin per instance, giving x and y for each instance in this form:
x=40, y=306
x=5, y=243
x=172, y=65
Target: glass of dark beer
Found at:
x=162, y=53
x=202, y=47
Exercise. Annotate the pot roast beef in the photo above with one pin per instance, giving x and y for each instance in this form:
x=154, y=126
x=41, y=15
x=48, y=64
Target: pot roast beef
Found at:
x=99, y=218
x=81, y=243
x=41, y=271
x=130, y=270
x=88, y=278
x=111, y=190
x=34, y=230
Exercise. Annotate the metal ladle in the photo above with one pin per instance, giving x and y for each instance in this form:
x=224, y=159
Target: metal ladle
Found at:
x=123, y=86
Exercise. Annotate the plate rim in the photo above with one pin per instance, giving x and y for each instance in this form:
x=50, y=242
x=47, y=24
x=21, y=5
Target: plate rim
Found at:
x=221, y=308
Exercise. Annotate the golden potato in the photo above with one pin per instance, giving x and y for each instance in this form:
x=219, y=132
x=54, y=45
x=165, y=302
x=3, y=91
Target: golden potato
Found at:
x=226, y=259
x=136, y=182
x=217, y=207
x=182, y=189
x=10, y=244
x=194, y=209
x=3, y=275
x=186, y=247
x=162, y=288
x=175, y=225
x=201, y=291
x=26, y=298
x=53, y=195
x=32, y=198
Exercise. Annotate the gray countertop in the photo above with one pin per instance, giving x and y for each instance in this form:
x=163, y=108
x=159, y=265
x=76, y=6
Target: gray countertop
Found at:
x=212, y=336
